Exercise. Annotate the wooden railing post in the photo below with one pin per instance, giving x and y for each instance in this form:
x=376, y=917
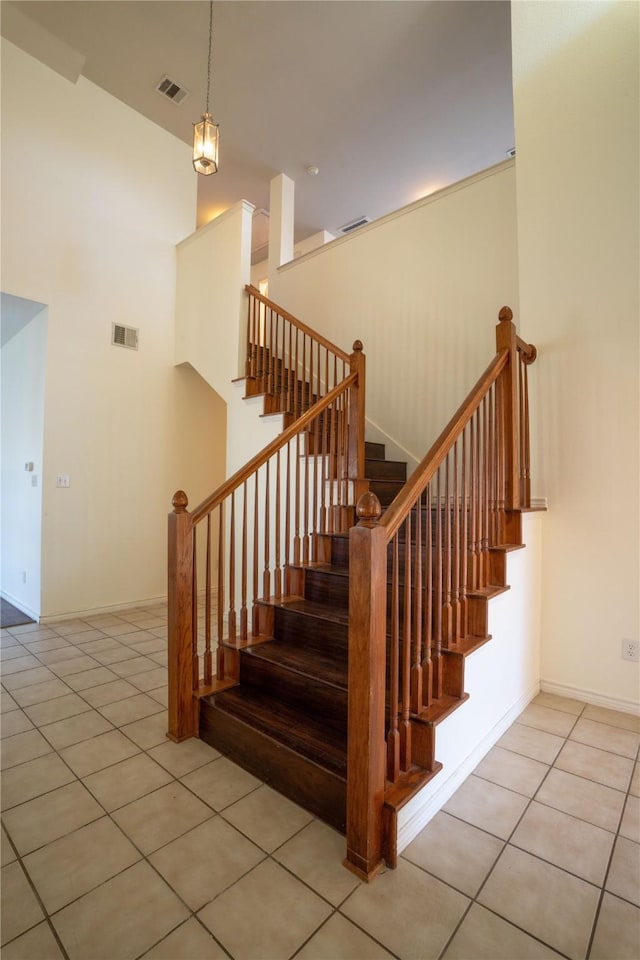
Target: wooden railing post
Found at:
x=182, y=707
x=367, y=666
x=357, y=364
x=506, y=339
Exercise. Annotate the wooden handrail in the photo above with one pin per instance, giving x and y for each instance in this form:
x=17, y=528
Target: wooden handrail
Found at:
x=297, y=323
x=243, y=474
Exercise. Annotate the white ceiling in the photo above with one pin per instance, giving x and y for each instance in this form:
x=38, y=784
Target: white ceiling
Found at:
x=390, y=99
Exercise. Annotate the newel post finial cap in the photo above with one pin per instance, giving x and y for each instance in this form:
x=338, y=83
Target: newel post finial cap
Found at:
x=506, y=313
x=180, y=502
x=368, y=509
x=357, y=346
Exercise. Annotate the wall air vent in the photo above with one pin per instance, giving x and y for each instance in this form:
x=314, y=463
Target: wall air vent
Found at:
x=360, y=222
x=124, y=336
x=172, y=90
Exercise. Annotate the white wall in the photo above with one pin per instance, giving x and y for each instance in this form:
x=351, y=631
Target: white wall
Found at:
x=24, y=353
x=94, y=200
x=576, y=100
x=422, y=289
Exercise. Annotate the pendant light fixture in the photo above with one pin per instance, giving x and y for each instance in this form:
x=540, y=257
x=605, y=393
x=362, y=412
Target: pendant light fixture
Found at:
x=205, y=132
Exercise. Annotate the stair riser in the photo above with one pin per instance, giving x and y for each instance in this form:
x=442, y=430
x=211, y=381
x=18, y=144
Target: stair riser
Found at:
x=311, y=632
x=385, y=470
x=324, y=587
x=304, y=782
x=310, y=695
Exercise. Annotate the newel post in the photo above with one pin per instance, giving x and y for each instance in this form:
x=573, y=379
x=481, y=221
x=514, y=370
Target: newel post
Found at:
x=506, y=339
x=366, y=750
x=357, y=364
x=182, y=706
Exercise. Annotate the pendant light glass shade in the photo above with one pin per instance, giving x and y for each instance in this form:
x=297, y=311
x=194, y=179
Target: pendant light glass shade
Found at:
x=205, y=145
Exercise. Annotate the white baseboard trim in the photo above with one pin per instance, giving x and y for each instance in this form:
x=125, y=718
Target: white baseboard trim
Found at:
x=590, y=696
x=98, y=611
x=419, y=814
x=20, y=604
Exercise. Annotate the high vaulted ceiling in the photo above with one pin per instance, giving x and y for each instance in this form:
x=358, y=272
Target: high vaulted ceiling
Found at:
x=389, y=99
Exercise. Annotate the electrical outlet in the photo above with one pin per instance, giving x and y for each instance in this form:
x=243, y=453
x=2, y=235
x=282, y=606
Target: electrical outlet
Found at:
x=630, y=649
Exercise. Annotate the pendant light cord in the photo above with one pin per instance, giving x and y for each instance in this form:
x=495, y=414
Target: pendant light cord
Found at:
x=210, y=46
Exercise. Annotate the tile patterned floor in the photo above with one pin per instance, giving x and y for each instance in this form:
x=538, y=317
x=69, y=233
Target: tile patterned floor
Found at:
x=117, y=843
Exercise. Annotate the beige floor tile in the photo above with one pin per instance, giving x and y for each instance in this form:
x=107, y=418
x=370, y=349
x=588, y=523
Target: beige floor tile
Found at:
x=409, y=912
x=40, y=692
x=511, y=770
x=145, y=907
x=484, y=936
x=126, y=781
x=131, y=709
x=267, y=818
x=190, y=940
x=63, y=733
x=50, y=816
x=593, y=764
x=221, y=783
x=53, y=643
x=12, y=652
x=152, y=645
x=27, y=678
x=128, y=668
x=161, y=816
x=50, y=711
x=531, y=742
x=34, y=630
x=617, y=931
x=149, y=731
x=574, y=845
x=13, y=665
x=115, y=655
x=181, y=758
x=29, y=780
x=624, y=873
x=254, y=918
x=119, y=630
x=78, y=664
x=150, y=679
x=87, y=634
x=7, y=703
x=91, y=647
x=109, y=693
x=161, y=658
x=634, y=788
x=454, y=851
x=91, y=678
x=58, y=655
x=69, y=867
x=630, y=826
x=13, y=723
x=339, y=939
x=21, y=748
x=37, y=944
x=605, y=737
x=487, y=805
x=7, y=853
x=582, y=798
x=19, y=909
x=69, y=628
x=549, y=903
x=99, y=752
x=161, y=694
x=626, y=721
x=198, y=877
x=550, y=721
x=315, y=855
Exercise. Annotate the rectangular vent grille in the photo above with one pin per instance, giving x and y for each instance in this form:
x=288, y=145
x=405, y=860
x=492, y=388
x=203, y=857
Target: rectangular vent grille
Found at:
x=172, y=91
x=124, y=336
x=360, y=222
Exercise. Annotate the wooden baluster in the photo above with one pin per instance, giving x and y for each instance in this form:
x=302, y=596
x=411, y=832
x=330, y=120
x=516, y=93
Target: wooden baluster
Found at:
x=287, y=517
x=256, y=515
x=525, y=459
x=455, y=562
x=473, y=578
x=327, y=385
x=405, y=724
x=500, y=470
x=492, y=469
x=208, y=660
x=319, y=391
x=419, y=634
x=464, y=538
x=221, y=568
x=427, y=664
x=332, y=466
x=266, y=575
x=195, y=663
x=315, y=438
x=182, y=707
x=278, y=567
x=303, y=376
x=393, y=737
x=340, y=452
x=485, y=494
x=506, y=339
x=447, y=609
x=477, y=533
x=366, y=761
x=356, y=465
x=232, y=571
x=296, y=539
x=305, y=538
x=243, y=574
x=248, y=366
x=437, y=631
x=324, y=451
x=289, y=370
x=269, y=354
x=296, y=376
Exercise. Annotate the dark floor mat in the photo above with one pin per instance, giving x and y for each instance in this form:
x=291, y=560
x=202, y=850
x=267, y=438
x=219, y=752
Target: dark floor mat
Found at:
x=10, y=616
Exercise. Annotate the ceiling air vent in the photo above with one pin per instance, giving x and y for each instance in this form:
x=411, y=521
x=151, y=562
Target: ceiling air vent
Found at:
x=124, y=336
x=360, y=222
x=172, y=91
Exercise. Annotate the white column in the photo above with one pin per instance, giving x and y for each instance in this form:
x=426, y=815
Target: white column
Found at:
x=281, y=210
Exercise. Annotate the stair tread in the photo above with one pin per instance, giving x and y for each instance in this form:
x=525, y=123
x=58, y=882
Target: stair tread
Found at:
x=309, y=737
x=313, y=608
x=309, y=661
